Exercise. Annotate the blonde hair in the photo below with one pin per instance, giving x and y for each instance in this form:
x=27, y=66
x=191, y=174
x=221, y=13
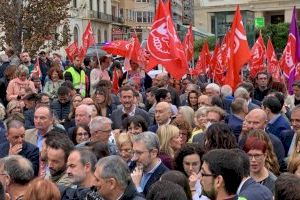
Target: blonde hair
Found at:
x=293, y=164
x=11, y=105
x=295, y=153
x=165, y=133
x=188, y=114
x=123, y=138
x=2, y=112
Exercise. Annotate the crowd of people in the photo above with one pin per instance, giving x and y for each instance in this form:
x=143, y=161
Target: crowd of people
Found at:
x=66, y=133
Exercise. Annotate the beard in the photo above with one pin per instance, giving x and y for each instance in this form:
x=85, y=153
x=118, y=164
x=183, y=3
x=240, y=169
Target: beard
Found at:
x=54, y=172
x=211, y=194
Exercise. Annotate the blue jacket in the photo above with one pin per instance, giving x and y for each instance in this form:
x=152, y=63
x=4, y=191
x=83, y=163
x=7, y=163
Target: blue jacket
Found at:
x=255, y=191
x=29, y=151
x=235, y=124
x=279, y=125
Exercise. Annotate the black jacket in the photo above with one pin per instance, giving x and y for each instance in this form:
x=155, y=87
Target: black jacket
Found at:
x=61, y=110
x=131, y=193
x=29, y=151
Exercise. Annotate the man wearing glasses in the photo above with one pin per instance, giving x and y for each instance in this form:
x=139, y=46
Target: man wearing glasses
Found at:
x=149, y=166
x=220, y=178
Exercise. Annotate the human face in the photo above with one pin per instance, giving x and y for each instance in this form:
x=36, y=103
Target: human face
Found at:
x=75, y=169
x=262, y=80
x=134, y=66
x=204, y=100
x=210, y=92
x=94, y=111
x=105, y=64
x=4, y=178
x=81, y=135
x=76, y=101
x=127, y=99
x=176, y=142
x=16, y=136
x=295, y=120
x=81, y=116
x=16, y=109
x=45, y=100
x=201, y=121
x=42, y=119
x=193, y=99
x=213, y=117
x=77, y=63
x=23, y=77
x=64, y=98
x=102, y=134
x=296, y=90
x=161, y=82
x=191, y=164
x=99, y=98
x=297, y=172
x=254, y=121
x=168, y=98
x=257, y=160
x=162, y=114
x=208, y=182
x=143, y=157
x=104, y=186
x=150, y=98
x=184, y=136
x=126, y=151
x=56, y=161
x=134, y=130
x=25, y=57
x=54, y=76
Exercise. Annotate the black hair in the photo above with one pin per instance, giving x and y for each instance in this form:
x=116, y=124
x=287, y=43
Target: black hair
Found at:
x=245, y=162
x=161, y=94
x=188, y=149
x=2, y=192
x=137, y=120
x=87, y=61
x=217, y=101
x=287, y=187
x=225, y=163
x=63, y=90
x=272, y=103
x=74, y=134
x=219, y=136
x=98, y=148
x=166, y=190
x=280, y=97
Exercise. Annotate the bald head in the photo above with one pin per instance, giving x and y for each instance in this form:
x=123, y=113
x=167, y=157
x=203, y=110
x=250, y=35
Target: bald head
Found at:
x=163, y=113
x=256, y=119
x=83, y=114
x=204, y=100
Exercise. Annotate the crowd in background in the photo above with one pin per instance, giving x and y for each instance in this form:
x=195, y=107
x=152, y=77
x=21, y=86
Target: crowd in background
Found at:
x=90, y=130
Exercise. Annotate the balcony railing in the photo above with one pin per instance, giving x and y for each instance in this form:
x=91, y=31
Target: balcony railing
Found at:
x=106, y=17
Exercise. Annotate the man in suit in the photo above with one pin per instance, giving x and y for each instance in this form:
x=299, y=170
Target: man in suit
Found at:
x=276, y=122
x=128, y=108
x=162, y=82
x=43, y=123
x=16, y=145
x=243, y=93
x=149, y=166
x=162, y=115
x=249, y=188
x=239, y=109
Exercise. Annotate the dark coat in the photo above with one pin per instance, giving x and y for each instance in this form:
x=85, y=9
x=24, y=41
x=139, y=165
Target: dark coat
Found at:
x=174, y=96
x=131, y=193
x=29, y=151
x=235, y=124
x=286, y=138
x=153, y=128
x=255, y=191
x=117, y=117
x=29, y=119
x=61, y=110
x=160, y=170
x=279, y=125
x=2, y=133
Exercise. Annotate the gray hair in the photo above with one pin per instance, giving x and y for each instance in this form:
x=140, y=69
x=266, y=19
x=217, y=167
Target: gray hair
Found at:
x=214, y=87
x=87, y=156
x=242, y=93
x=201, y=111
x=18, y=168
x=14, y=124
x=226, y=90
x=149, y=138
x=98, y=122
x=115, y=167
x=2, y=112
x=22, y=69
x=88, y=109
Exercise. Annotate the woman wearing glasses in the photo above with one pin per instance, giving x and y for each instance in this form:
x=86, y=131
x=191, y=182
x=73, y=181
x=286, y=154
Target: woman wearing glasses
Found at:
x=188, y=161
x=257, y=152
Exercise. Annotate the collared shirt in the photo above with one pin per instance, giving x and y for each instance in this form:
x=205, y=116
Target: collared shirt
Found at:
x=39, y=141
x=146, y=177
x=120, y=196
x=274, y=118
x=132, y=112
x=168, y=122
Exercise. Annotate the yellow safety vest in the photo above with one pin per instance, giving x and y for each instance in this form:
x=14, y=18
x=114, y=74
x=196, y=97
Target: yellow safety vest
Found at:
x=78, y=80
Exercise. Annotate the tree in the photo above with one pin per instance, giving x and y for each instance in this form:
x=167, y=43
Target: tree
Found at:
x=199, y=43
x=29, y=25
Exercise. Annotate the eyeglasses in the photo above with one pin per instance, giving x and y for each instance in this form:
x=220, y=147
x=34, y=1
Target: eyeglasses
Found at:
x=204, y=174
x=82, y=134
x=255, y=156
x=139, y=153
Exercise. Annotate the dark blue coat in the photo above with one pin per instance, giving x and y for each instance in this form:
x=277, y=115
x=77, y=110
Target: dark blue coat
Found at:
x=153, y=128
x=255, y=191
x=279, y=125
x=29, y=151
x=235, y=124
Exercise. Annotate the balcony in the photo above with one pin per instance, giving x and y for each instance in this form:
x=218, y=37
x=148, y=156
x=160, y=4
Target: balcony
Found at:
x=107, y=18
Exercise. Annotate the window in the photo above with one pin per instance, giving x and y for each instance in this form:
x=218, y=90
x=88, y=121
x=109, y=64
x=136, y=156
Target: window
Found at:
x=75, y=3
x=91, y=4
x=104, y=7
x=65, y=34
x=99, y=36
x=75, y=33
x=98, y=5
x=145, y=15
x=121, y=12
x=139, y=16
x=105, y=36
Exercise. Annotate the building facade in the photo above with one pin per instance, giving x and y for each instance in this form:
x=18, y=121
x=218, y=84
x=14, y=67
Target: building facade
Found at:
x=216, y=16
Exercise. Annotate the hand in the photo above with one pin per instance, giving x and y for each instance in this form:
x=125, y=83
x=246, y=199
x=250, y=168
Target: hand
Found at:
x=136, y=176
x=14, y=150
x=193, y=179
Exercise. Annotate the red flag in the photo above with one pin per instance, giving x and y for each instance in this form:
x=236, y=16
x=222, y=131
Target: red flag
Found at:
x=238, y=50
x=36, y=72
x=164, y=45
x=217, y=70
x=203, y=60
x=188, y=44
x=117, y=47
x=273, y=66
x=257, y=60
x=115, y=82
x=87, y=40
x=137, y=53
x=71, y=50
